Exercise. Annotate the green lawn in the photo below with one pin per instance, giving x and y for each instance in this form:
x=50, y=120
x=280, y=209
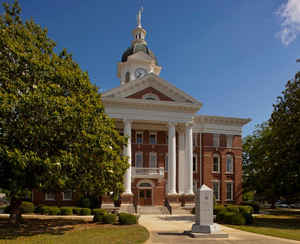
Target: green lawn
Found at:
x=284, y=224
x=42, y=231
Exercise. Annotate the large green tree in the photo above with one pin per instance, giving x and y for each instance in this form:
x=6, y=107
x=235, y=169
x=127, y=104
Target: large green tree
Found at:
x=272, y=153
x=54, y=133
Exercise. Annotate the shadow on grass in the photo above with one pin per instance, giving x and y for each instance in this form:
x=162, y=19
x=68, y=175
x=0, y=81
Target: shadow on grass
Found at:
x=280, y=223
x=31, y=227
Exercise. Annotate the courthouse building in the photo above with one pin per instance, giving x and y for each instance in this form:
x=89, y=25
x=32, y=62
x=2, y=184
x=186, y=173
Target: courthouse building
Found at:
x=172, y=150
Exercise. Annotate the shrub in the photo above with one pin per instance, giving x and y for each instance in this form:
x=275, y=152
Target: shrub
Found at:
x=109, y=218
x=27, y=207
x=238, y=220
x=44, y=209
x=233, y=209
x=254, y=205
x=220, y=215
x=85, y=203
x=98, y=218
x=85, y=211
x=246, y=209
x=248, y=218
x=53, y=210
x=97, y=211
x=232, y=218
x=127, y=219
x=218, y=208
x=66, y=210
x=7, y=209
x=38, y=209
x=76, y=210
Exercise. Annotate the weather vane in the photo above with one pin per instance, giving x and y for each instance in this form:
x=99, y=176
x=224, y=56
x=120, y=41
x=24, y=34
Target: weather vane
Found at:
x=139, y=16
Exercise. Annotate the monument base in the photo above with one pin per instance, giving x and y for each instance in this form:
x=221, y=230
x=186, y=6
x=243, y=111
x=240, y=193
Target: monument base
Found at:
x=202, y=235
x=206, y=229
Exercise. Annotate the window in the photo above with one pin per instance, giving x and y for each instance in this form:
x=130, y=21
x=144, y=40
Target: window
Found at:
x=229, y=164
x=139, y=137
x=195, y=139
x=153, y=160
x=216, y=189
x=216, y=163
x=150, y=96
x=216, y=140
x=194, y=163
x=139, y=160
x=127, y=77
x=229, y=141
x=67, y=195
x=166, y=162
x=152, y=138
x=229, y=191
x=50, y=196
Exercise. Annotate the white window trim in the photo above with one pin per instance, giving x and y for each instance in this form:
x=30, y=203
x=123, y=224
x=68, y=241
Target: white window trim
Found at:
x=195, y=155
x=67, y=199
x=155, y=134
x=136, y=154
x=216, y=138
x=151, y=96
x=229, y=172
x=217, y=181
x=229, y=138
x=229, y=182
x=139, y=133
x=49, y=199
x=150, y=154
x=219, y=163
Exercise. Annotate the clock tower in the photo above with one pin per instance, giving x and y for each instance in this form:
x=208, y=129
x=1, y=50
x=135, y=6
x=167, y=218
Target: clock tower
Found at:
x=138, y=60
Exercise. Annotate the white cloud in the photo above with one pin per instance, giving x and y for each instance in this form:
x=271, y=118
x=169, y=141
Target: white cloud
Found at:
x=290, y=21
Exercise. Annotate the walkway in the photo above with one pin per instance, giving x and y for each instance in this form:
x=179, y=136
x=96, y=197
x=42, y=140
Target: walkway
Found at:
x=165, y=229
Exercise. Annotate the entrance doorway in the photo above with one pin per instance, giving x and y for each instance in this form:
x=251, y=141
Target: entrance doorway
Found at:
x=145, y=197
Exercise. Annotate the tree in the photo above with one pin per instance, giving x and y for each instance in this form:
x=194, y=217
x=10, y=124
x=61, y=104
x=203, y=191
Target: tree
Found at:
x=54, y=133
x=271, y=158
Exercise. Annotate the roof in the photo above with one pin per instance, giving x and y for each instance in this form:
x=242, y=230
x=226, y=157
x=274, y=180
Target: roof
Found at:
x=138, y=47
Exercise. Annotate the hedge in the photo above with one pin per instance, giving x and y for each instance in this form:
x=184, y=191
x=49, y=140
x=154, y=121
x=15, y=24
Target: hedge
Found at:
x=97, y=211
x=127, y=219
x=85, y=211
x=109, y=218
x=27, y=207
x=76, y=210
x=254, y=205
x=66, y=210
x=98, y=218
x=53, y=210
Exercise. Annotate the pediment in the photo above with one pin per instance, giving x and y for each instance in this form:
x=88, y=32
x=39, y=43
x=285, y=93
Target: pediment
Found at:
x=151, y=83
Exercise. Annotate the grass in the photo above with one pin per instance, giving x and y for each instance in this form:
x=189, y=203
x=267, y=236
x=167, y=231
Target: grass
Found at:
x=56, y=231
x=284, y=224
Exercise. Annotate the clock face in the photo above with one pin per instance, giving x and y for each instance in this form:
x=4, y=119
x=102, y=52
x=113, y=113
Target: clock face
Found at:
x=139, y=72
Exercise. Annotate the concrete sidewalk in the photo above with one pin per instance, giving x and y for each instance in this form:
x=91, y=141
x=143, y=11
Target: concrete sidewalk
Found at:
x=166, y=229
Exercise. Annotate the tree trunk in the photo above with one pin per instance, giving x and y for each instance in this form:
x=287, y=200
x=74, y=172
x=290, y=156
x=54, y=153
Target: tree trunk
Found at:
x=15, y=211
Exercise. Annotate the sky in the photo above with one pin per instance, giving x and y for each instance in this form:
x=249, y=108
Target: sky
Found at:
x=234, y=56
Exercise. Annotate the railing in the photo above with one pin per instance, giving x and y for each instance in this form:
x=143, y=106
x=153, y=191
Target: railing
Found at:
x=147, y=172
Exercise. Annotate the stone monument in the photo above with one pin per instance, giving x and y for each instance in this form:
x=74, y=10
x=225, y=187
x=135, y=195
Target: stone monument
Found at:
x=204, y=224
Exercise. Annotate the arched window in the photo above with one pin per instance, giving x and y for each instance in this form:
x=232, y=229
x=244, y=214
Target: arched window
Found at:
x=216, y=163
x=127, y=77
x=150, y=96
x=229, y=163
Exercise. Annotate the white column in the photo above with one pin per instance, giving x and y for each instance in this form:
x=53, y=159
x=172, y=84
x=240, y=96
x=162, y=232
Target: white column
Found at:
x=172, y=159
x=189, y=159
x=181, y=161
x=127, y=152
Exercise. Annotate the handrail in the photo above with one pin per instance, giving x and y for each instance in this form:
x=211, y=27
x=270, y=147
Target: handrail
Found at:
x=168, y=206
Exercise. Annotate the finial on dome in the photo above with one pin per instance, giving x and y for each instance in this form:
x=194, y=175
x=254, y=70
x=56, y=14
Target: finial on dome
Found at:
x=139, y=17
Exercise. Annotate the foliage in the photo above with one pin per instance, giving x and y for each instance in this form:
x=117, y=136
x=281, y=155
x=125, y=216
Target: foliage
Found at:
x=76, y=210
x=38, y=208
x=85, y=211
x=54, y=134
x=27, y=207
x=254, y=205
x=271, y=157
x=98, y=218
x=53, y=210
x=127, y=219
x=109, y=218
x=99, y=211
x=66, y=210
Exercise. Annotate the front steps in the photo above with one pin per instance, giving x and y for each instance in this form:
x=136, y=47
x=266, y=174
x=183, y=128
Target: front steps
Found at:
x=147, y=210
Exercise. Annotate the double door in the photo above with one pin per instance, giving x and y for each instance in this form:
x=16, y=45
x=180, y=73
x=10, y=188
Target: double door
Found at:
x=145, y=197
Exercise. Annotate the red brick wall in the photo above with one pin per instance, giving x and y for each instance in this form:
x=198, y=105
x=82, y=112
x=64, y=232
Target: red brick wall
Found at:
x=39, y=198
x=140, y=94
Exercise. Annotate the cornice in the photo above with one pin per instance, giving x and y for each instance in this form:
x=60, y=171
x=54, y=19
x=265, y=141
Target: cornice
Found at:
x=208, y=119
x=151, y=104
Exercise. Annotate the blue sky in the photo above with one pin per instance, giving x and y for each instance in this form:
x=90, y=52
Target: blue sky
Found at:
x=234, y=56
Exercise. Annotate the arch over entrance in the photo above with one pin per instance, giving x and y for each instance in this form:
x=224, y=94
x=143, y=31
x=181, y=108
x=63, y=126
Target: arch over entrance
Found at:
x=145, y=192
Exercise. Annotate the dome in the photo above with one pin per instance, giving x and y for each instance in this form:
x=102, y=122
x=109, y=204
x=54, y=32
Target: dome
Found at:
x=137, y=48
